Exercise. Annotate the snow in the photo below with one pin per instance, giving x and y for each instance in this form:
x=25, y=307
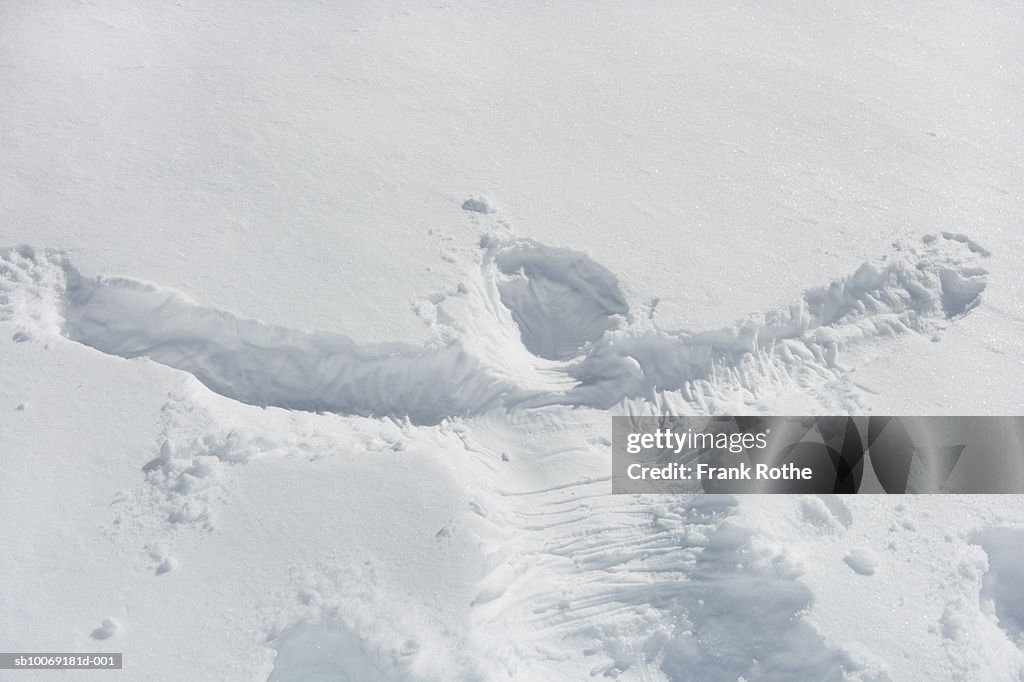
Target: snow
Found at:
x=1000, y=595
x=313, y=319
x=862, y=561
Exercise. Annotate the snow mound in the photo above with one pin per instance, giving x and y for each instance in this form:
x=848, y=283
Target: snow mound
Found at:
x=477, y=205
x=862, y=561
x=1001, y=592
x=825, y=512
x=107, y=629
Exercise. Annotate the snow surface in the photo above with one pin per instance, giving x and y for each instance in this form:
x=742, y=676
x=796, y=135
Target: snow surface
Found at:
x=313, y=318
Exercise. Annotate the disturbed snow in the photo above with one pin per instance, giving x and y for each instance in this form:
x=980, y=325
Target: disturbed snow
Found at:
x=496, y=430
x=252, y=462
x=578, y=342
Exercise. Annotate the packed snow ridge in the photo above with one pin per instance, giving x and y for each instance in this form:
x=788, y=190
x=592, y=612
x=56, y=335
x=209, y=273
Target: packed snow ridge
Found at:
x=533, y=325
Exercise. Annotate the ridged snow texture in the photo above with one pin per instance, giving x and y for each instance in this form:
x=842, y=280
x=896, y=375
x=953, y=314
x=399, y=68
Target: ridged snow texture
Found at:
x=545, y=325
